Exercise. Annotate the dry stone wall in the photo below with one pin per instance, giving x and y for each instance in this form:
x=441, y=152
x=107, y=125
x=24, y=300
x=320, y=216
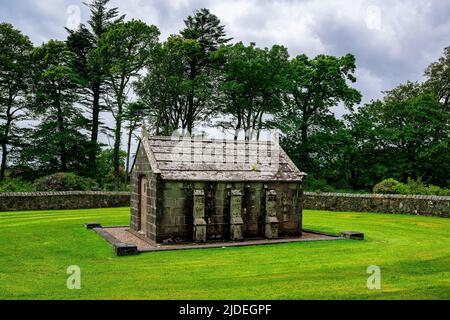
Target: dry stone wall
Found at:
x=62, y=200
x=415, y=205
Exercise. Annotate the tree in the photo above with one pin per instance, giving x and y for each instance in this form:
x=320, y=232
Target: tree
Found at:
x=366, y=148
x=206, y=29
x=438, y=79
x=122, y=52
x=57, y=144
x=313, y=88
x=166, y=88
x=82, y=42
x=134, y=114
x=404, y=136
x=252, y=84
x=105, y=169
x=14, y=86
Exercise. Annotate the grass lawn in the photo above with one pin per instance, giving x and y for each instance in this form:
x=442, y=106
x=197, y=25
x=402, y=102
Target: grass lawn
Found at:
x=413, y=252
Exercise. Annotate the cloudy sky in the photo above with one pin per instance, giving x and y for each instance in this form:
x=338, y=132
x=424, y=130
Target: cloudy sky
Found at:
x=393, y=41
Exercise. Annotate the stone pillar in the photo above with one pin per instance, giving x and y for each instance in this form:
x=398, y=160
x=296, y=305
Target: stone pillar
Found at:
x=271, y=215
x=199, y=216
x=236, y=222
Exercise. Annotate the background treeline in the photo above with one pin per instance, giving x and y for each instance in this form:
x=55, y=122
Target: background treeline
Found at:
x=53, y=99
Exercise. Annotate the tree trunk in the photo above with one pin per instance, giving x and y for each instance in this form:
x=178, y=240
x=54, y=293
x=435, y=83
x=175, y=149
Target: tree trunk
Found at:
x=5, y=140
x=238, y=128
x=118, y=140
x=190, y=115
x=61, y=129
x=95, y=127
x=260, y=125
x=305, y=146
x=130, y=135
x=3, y=165
x=117, y=143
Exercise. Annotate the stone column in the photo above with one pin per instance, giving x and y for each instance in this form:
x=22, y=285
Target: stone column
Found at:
x=199, y=216
x=271, y=215
x=236, y=222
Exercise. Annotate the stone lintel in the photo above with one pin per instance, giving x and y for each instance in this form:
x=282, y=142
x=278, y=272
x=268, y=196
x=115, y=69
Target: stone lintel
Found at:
x=271, y=193
x=236, y=193
x=199, y=193
x=272, y=220
x=200, y=222
x=237, y=221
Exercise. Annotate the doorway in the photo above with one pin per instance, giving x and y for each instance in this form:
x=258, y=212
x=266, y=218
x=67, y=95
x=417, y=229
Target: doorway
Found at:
x=143, y=205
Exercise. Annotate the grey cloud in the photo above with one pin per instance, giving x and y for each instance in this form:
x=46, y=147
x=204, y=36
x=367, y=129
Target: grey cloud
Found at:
x=413, y=33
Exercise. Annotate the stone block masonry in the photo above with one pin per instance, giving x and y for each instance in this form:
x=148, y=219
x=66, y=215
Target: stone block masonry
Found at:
x=399, y=204
x=62, y=200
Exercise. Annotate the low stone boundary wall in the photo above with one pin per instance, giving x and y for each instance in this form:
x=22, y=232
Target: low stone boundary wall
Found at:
x=62, y=200
x=415, y=205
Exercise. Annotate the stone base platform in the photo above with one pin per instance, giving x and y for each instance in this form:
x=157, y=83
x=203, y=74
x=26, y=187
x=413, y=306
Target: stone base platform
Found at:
x=123, y=236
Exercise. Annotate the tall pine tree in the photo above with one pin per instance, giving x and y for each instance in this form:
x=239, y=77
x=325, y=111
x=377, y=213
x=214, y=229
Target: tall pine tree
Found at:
x=206, y=29
x=81, y=42
x=57, y=141
x=122, y=53
x=14, y=86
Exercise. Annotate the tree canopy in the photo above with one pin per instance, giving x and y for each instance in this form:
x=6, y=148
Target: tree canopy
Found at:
x=54, y=99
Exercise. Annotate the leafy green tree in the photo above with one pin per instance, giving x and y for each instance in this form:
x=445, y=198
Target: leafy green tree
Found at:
x=405, y=136
x=105, y=169
x=14, y=86
x=206, y=29
x=313, y=88
x=365, y=149
x=438, y=79
x=122, y=52
x=57, y=141
x=252, y=84
x=81, y=42
x=166, y=88
x=180, y=87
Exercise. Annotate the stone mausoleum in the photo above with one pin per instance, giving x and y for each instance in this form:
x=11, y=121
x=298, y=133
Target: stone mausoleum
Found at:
x=200, y=190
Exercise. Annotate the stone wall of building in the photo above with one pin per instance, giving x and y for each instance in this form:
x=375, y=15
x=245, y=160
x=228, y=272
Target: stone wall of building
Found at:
x=175, y=217
x=290, y=207
x=141, y=170
x=416, y=205
x=62, y=200
x=176, y=220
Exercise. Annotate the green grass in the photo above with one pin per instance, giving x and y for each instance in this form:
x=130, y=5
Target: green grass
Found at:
x=413, y=252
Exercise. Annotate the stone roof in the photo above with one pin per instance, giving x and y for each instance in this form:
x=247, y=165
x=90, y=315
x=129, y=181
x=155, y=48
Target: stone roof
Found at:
x=193, y=159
